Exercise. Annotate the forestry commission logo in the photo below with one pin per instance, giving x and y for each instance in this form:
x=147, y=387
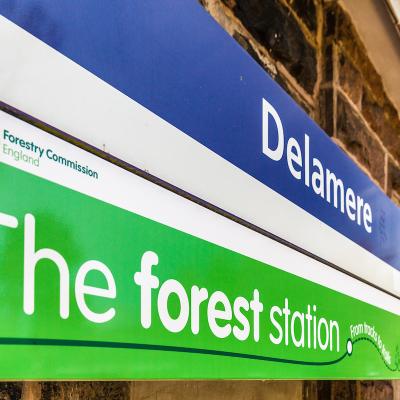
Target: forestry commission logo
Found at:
x=29, y=152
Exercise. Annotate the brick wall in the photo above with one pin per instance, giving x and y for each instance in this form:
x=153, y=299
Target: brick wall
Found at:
x=312, y=49
x=201, y=390
x=162, y=390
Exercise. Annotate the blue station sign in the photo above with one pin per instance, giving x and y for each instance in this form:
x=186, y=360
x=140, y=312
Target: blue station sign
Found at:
x=174, y=60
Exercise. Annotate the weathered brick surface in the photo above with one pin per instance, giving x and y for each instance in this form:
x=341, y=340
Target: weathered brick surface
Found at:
x=10, y=390
x=383, y=119
x=344, y=390
x=325, y=108
x=396, y=390
x=84, y=391
x=393, y=180
x=324, y=389
x=347, y=38
x=350, y=79
x=362, y=82
x=328, y=62
x=217, y=390
x=354, y=134
x=376, y=390
x=274, y=27
x=307, y=11
x=317, y=390
x=330, y=18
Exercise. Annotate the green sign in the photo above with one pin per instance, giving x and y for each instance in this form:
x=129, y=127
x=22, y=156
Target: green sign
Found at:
x=107, y=276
